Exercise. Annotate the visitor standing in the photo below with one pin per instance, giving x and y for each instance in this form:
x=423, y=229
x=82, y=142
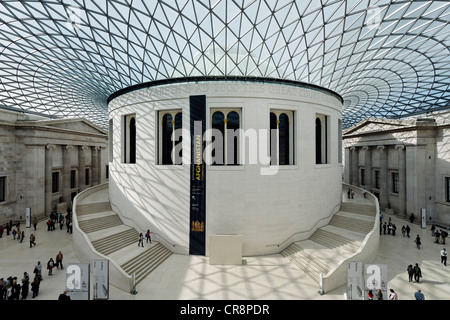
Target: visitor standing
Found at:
x=437, y=235
x=141, y=240
x=35, y=287
x=418, y=242
x=34, y=223
x=444, y=234
x=408, y=230
x=393, y=295
x=419, y=295
x=148, y=236
x=50, y=265
x=38, y=271
x=32, y=240
x=417, y=273
x=379, y=295
x=410, y=271
x=444, y=254
x=59, y=259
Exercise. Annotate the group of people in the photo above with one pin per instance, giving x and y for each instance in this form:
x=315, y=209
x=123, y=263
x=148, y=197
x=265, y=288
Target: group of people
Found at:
x=390, y=227
x=13, y=289
x=439, y=235
x=141, y=238
x=56, y=218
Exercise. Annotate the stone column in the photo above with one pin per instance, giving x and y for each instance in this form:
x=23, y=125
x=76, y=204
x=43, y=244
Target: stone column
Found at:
x=94, y=165
x=401, y=180
x=81, y=167
x=384, y=177
x=368, y=168
x=66, y=174
x=48, y=178
x=354, y=169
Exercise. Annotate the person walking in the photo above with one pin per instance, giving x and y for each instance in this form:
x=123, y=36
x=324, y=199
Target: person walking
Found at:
x=22, y=235
x=410, y=271
x=408, y=230
x=32, y=240
x=418, y=242
x=417, y=273
x=444, y=234
x=433, y=228
x=34, y=223
x=59, y=258
x=148, y=236
x=444, y=254
x=50, y=265
x=141, y=240
x=38, y=271
x=419, y=295
x=437, y=235
x=403, y=231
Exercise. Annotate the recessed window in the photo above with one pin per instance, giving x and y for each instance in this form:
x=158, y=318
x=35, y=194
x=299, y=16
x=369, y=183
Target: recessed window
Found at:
x=395, y=188
x=170, y=137
x=363, y=175
x=447, y=189
x=225, y=124
x=377, y=179
x=55, y=181
x=322, y=139
x=2, y=189
x=87, y=176
x=281, y=137
x=73, y=179
x=129, y=141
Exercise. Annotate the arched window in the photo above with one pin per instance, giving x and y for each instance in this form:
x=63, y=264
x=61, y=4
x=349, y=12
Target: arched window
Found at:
x=132, y=155
x=281, y=138
x=273, y=139
x=318, y=141
x=233, y=138
x=226, y=140
x=170, y=138
x=322, y=139
x=218, y=152
x=129, y=139
x=167, y=145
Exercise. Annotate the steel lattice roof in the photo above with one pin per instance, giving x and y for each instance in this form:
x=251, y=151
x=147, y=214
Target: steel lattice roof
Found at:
x=386, y=59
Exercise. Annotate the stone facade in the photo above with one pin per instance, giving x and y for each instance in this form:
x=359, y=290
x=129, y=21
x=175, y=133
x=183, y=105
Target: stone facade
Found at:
x=44, y=162
x=405, y=163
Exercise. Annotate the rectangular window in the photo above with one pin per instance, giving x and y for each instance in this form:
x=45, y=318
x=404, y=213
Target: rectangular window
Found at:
x=87, y=176
x=110, y=140
x=447, y=189
x=363, y=173
x=170, y=139
x=377, y=179
x=339, y=141
x=55, y=181
x=73, y=179
x=2, y=189
x=395, y=182
x=107, y=172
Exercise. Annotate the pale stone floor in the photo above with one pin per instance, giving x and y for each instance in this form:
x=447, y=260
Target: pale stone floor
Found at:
x=272, y=277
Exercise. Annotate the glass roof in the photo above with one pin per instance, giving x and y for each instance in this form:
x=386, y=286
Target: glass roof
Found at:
x=387, y=59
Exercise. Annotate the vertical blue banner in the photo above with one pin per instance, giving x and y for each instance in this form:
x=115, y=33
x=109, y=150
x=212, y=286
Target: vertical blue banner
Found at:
x=198, y=176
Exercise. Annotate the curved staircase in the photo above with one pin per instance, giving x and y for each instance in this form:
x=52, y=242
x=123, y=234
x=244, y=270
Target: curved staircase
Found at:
x=328, y=246
x=110, y=237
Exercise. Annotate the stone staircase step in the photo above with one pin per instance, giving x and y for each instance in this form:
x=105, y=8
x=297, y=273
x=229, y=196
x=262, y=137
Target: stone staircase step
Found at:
x=112, y=243
x=95, y=207
x=363, y=209
x=335, y=241
x=357, y=225
x=96, y=224
x=146, y=261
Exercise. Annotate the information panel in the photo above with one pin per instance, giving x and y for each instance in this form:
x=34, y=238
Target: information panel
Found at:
x=197, y=176
x=77, y=281
x=100, y=272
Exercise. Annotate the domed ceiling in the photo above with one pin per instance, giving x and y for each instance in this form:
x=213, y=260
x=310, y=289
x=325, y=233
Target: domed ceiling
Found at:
x=387, y=59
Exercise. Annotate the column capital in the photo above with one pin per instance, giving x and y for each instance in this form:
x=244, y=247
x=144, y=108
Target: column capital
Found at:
x=380, y=148
x=352, y=148
x=50, y=146
x=96, y=148
x=67, y=147
x=83, y=147
x=365, y=148
x=399, y=146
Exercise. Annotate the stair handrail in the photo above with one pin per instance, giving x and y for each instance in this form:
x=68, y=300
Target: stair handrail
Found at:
x=305, y=231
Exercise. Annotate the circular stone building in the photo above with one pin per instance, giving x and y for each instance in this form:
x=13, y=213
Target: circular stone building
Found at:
x=195, y=157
